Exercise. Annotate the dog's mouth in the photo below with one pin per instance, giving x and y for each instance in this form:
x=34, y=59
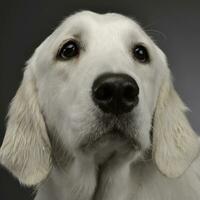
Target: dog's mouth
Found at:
x=111, y=143
x=113, y=135
x=109, y=136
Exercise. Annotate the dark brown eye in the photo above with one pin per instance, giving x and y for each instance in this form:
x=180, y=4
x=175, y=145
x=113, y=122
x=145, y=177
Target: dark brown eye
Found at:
x=141, y=54
x=69, y=50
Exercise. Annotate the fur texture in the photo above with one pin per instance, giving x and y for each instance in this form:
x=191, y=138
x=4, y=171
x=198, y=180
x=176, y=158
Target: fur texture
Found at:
x=58, y=140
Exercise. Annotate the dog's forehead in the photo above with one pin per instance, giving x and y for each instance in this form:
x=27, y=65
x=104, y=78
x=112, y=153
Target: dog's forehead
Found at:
x=87, y=22
x=106, y=18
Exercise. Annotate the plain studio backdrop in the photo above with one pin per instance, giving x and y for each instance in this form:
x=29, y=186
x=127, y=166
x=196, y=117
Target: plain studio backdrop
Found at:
x=24, y=24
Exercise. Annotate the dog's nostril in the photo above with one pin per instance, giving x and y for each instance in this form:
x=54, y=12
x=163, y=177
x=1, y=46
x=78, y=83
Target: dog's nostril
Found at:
x=130, y=92
x=104, y=92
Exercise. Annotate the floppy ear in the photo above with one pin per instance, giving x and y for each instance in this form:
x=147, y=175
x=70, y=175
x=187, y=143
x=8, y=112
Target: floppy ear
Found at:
x=26, y=148
x=175, y=145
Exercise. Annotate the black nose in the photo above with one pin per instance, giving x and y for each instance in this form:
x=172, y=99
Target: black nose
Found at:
x=115, y=93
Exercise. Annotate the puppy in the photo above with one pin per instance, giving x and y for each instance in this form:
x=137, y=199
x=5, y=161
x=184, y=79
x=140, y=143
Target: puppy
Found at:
x=97, y=117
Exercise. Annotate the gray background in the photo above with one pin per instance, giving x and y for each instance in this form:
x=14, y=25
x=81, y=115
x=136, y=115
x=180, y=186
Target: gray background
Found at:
x=175, y=26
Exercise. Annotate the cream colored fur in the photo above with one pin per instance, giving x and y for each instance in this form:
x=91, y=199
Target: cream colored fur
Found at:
x=26, y=148
x=53, y=112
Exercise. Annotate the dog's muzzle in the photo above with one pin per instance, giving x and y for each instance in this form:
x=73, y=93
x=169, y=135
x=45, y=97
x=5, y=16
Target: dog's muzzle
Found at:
x=115, y=93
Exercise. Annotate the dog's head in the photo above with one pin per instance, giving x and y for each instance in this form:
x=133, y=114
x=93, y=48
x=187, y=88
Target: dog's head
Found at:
x=98, y=84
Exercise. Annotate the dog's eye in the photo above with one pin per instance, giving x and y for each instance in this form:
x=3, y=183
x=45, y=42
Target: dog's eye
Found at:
x=69, y=50
x=141, y=54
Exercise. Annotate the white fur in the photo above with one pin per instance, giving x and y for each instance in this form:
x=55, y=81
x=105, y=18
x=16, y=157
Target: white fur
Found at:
x=53, y=112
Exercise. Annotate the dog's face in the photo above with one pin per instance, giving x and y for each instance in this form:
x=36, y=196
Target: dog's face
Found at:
x=84, y=48
x=100, y=85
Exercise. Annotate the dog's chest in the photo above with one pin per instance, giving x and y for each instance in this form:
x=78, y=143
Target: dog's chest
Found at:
x=114, y=184
x=119, y=182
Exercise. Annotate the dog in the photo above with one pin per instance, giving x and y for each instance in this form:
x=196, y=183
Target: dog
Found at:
x=97, y=117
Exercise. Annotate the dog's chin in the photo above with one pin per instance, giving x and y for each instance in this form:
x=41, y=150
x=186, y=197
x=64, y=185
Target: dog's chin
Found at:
x=109, y=143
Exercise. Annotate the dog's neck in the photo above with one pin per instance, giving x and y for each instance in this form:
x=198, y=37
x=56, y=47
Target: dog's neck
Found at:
x=116, y=180
x=80, y=177
x=77, y=181
x=83, y=179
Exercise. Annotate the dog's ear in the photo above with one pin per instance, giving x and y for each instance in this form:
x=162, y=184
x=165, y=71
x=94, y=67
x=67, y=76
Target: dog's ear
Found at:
x=26, y=148
x=175, y=145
